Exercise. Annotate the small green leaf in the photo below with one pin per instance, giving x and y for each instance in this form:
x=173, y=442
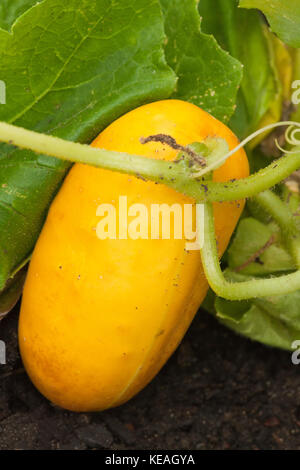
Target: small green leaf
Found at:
x=283, y=16
x=11, y=293
x=274, y=321
x=245, y=36
x=208, y=77
x=256, y=238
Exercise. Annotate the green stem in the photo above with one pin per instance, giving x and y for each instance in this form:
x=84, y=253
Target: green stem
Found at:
x=80, y=153
x=256, y=183
x=175, y=175
x=238, y=290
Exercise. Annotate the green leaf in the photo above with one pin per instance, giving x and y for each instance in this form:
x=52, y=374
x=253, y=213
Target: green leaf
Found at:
x=208, y=77
x=273, y=321
x=283, y=16
x=260, y=241
x=70, y=69
x=11, y=294
x=244, y=35
x=10, y=10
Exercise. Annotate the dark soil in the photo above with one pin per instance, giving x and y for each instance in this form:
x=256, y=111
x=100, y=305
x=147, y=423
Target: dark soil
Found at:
x=218, y=391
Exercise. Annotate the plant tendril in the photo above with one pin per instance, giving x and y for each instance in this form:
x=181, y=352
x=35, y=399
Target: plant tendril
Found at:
x=290, y=137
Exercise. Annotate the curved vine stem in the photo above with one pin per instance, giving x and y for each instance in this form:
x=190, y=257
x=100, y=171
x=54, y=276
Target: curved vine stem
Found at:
x=181, y=177
x=173, y=174
x=238, y=290
x=253, y=184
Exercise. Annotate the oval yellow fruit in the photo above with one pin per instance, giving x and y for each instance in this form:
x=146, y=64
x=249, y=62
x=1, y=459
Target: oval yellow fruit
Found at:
x=99, y=318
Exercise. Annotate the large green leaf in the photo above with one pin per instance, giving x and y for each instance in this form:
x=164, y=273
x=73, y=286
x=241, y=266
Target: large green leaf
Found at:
x=70, y=68
x=283, y=15
x=208, y=77
x=245, y=35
